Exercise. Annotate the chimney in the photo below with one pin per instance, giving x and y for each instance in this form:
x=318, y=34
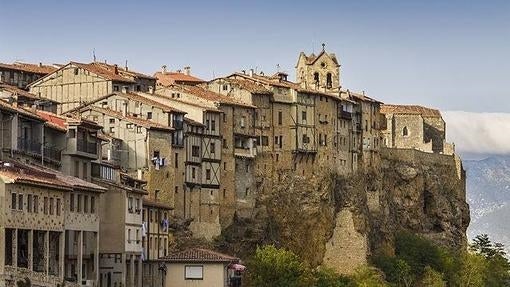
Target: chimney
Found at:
x=124, y=89
x=244, y=72
x=126, y=66
x=251, y=73
x=40, y=64
x=151, y=90
x=187, y=70
x=163, y=69
x=116, y=69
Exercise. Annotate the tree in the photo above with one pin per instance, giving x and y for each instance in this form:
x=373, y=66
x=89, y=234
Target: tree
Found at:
x=432, y=278
x=369, y=277
x=273, y=267
x=472, y=270
x=325, y=277
x=497, y=265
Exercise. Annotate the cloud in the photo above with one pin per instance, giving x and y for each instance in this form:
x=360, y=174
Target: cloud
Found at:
x=478, y=133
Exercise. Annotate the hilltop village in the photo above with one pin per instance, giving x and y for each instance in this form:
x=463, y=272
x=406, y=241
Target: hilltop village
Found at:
x=99, y=162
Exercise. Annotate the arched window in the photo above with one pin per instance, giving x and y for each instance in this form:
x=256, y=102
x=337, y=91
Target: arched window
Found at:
x=316, y=78
x=329, y=81
x=405, y=131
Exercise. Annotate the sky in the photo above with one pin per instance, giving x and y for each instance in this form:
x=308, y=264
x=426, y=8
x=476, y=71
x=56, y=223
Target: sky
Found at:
x=451, y=55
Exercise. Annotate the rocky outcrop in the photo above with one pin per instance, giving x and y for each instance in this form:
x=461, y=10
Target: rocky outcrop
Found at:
x=340, y=221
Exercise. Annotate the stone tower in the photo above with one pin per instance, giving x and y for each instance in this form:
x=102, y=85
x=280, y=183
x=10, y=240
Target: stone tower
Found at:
x=321, y=72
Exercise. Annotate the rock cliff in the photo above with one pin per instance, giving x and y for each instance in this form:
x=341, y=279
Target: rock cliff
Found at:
x=338, y=221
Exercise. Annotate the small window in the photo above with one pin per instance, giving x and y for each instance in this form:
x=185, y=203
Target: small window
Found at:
x=72, y=133
x=405, y=131
x=213, y=148
x=20, y=201
x=208, y=174
x=58, y=206
x=112, y=121
x=115, y=88
x=194, y=272
x=14, y=199
x=36, y=204
x=303, y=116
x=316, y=78
x=149, y=115
x=78, y=207
x=52, y=205
x=225, y=87
x=45, y=208
x=138, y=88
x=280, y=118
x=213, y=125
x=139, y=130
x=71, y=203
x=29, y=203
x=195, y=151
x=193, y=173
x=76, y=71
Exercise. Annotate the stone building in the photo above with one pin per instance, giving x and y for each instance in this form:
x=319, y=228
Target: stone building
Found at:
x=77, y=83
x=415, y=127
x=22, y=98
x=22, y=74
x=231, y=124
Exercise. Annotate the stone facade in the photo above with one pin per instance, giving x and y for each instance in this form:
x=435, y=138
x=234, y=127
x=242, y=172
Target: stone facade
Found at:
x=415, y=127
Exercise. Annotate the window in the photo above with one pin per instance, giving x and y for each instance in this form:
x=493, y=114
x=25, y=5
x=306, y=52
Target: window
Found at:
x=405, y=131
x=14, y=198
x=176, y=163
x=92, y=204
x=208, y=174
x=130, y=205
x=72, y=133
x=58, y=206
x=78, y=207
x=224, y=165
x=36, y=204
x=129, y=235
x=303, y=116
x=138, y=130
x=20, y=201
x=149, y=115
x=85, y=203
x=316, y=78
x=71, y=203
x=193, y=173
x=329, y=81
x=115, y=88
x=213, y=148
x=138, y=88
x=280, y=118
x=76, y=71
x=194, y=272
x=195, y=151
x=84, y=171
x=29, y=203
x=45, y=207
x=76, y=168
x=207, y=125
x=225, y=87
x=265, y=141
x=52, y=205
x=213, y=125
x=242, y=122
x=224, y=118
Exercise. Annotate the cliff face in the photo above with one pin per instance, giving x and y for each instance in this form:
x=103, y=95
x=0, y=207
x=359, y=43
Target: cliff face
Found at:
x=339, y=221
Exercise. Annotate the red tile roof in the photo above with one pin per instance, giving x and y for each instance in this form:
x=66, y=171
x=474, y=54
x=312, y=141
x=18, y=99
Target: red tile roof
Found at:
x=22, y=111
x=410, y=110
x=122, y=71
x=199, y=255
x=250, y=86
x=102, y=71
x=170, y=78
x=53, y=120
x=29, y=68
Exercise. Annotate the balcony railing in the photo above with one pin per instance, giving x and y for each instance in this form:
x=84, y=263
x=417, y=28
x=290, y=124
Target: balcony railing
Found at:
x=346, y=115
x=52, y=152
x=88, y=147
x=27, y=145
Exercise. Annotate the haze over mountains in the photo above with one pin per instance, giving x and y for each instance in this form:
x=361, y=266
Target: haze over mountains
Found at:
x=482, y=140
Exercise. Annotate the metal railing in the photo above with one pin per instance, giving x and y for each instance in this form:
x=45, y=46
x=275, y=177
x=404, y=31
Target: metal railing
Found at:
x=28, y=145
x=88, y=147
x=52, y=152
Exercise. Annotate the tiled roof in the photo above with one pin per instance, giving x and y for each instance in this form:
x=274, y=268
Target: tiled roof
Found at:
x=250, y=86
x=129, y=118
x=53, y=120
x=199, y=255
x=102, y=71
x=153, y=203
x=22, y=173
x=193, y=123
x=169, y=78
x=17, y=172
x=410, y=110
x=141, y=97
x=122, y=71
x=29, y=68
x=209, y=95
x=22, y=111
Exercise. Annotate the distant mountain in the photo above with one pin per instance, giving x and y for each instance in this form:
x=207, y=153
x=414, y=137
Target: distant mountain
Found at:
x=488, y=193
